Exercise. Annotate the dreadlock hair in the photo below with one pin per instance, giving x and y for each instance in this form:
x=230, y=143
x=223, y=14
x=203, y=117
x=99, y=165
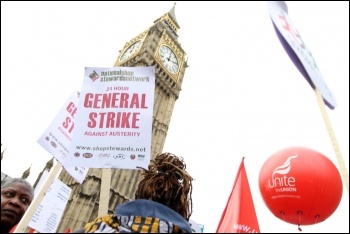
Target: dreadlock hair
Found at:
x=167, y=182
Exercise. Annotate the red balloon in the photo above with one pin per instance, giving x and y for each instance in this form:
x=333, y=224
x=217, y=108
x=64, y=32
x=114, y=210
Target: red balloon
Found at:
x=300, y=186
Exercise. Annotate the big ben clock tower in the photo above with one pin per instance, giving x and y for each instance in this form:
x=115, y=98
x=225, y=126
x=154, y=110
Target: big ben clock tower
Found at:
x=158, y=46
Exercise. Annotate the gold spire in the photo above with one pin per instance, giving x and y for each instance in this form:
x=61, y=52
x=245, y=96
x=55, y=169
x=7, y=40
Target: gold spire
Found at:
x=26, y=173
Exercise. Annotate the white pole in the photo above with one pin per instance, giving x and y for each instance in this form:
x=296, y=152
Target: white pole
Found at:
x=104, y=192
x=23, y=224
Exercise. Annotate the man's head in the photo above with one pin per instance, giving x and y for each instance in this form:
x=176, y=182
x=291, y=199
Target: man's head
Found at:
x=167, y=182
x=16, y=196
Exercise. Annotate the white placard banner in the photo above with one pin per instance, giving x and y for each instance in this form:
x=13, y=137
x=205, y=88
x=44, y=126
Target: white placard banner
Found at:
x=296, y=49
x=113, y=127
x=57, y=137
x=48, y=214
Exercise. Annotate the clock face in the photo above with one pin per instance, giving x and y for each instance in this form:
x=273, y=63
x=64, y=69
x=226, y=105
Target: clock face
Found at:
x=130, y=51
x=168, y=58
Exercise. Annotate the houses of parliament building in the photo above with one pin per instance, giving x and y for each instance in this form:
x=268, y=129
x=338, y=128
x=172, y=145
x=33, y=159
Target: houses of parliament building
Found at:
x=146, y=49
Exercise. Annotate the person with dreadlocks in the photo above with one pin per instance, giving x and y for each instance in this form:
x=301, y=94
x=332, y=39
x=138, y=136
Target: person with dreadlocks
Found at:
x=163, y=201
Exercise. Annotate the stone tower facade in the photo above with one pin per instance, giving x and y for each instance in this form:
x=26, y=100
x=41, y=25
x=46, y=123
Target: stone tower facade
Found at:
x=157, y=46
x=47, y=167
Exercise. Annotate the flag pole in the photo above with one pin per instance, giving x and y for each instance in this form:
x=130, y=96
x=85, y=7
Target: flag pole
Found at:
x=338, y=154
x=23, y=224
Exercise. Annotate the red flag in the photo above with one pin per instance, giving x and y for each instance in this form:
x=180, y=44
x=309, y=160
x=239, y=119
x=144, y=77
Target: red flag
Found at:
x=239, y=215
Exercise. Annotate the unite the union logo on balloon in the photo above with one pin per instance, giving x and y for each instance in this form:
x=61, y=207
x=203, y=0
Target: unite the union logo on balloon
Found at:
x=279, y=179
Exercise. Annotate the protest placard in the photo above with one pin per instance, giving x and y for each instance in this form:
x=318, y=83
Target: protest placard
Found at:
x=48, y=214
x=113, y=127
x=57, y=137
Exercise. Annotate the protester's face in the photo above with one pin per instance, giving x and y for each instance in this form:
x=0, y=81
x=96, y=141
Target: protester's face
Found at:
x=15, y=200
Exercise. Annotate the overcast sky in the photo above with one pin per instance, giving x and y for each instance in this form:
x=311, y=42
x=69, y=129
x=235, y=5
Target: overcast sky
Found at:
x=241, y=95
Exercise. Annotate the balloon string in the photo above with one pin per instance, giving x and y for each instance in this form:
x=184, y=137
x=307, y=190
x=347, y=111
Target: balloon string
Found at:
x=317, y=216
x=282, y=213
x=299, y=213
